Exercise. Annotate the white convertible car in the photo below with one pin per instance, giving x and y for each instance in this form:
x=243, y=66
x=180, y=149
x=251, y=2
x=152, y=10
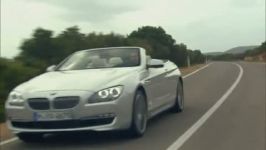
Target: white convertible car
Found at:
x=116, y=88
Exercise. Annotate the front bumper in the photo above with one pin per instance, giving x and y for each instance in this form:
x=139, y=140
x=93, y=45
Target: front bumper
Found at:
x=113, y=115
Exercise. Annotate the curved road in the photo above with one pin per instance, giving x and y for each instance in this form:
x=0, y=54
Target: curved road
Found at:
x=237, y=123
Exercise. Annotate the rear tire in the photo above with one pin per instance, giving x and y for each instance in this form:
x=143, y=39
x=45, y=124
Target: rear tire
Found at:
x=179, y=102
x=30, y=137
x=139, y=116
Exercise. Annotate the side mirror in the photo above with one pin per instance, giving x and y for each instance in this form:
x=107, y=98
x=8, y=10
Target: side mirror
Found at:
x=155, y=63
x=51, y=68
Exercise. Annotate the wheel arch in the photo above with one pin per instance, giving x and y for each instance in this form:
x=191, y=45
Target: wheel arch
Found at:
x=142, y=89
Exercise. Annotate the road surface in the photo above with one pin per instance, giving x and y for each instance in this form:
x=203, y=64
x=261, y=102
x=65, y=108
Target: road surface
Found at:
x=225, y=110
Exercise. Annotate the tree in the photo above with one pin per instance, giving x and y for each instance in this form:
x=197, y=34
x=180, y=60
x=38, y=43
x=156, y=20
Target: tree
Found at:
x=160, y=42
x=94, y=40
x=43, y=49
x=69, y=41
x=140, y=43
x=179, y=54
x=196, y=57
x=39, y=48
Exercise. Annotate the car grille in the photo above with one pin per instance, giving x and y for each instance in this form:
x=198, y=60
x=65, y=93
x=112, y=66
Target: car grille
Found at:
x=65, y=102
x=63, y=124
x=39, y=103
x=58, y=103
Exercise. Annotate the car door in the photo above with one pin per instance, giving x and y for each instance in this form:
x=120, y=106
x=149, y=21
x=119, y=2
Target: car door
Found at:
x=170, y=81
x=155, y=84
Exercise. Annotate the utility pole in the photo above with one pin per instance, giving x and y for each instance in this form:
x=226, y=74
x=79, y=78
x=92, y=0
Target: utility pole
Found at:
x=188, y=61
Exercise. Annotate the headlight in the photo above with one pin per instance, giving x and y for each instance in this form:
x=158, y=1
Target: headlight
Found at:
x=105, y=95
x=15, y=99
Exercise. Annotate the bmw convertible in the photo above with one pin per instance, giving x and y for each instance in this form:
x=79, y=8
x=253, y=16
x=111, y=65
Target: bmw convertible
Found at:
x=115, y=88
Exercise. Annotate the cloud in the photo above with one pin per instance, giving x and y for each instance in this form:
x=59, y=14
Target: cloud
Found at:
x=224, y=31
x=209, y=25
x=92, y=11
x=246, y=3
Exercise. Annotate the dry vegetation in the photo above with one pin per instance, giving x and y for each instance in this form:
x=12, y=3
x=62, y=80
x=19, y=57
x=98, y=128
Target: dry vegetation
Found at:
x=5, y=132
x=187, y=70
x=257, y=58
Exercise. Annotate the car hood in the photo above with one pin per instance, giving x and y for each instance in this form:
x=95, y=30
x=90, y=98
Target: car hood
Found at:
x=90, y=80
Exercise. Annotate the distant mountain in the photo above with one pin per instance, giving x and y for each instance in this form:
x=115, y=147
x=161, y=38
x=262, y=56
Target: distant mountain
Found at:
x=213, y=53
x=240, y=49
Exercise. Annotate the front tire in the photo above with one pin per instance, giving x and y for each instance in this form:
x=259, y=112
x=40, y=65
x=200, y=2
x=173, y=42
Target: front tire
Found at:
x=179, y=101
x=30, y=137
x=139, y=116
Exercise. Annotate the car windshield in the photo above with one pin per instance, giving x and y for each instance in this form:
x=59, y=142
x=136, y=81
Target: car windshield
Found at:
x=102, y=58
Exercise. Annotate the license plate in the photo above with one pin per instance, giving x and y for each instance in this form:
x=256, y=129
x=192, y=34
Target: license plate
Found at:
x=51, y=116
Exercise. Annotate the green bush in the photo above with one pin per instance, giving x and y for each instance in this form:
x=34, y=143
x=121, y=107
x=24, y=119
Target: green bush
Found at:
x=13, y=73
x=2, y=112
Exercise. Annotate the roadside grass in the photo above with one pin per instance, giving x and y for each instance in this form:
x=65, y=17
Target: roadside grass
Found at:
x=5, y=133
x=187, y=70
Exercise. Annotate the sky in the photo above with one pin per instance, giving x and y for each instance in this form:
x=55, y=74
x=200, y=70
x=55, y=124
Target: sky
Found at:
x=208, y=25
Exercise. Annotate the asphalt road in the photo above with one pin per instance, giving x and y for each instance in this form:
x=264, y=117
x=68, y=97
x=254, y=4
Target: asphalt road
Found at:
x=237, y=123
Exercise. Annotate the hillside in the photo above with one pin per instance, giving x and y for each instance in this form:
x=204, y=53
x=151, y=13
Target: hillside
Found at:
x=213, y=53
x=257, y=54
x=235, y=50
x=247, y=53
x=240, y=49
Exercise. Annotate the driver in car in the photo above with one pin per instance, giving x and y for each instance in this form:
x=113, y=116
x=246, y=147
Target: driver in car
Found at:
x=132, y=60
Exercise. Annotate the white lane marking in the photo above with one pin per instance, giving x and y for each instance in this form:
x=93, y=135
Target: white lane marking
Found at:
x=184, y=137
x=196, y=71
x=8, y=141
x=14, y=139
